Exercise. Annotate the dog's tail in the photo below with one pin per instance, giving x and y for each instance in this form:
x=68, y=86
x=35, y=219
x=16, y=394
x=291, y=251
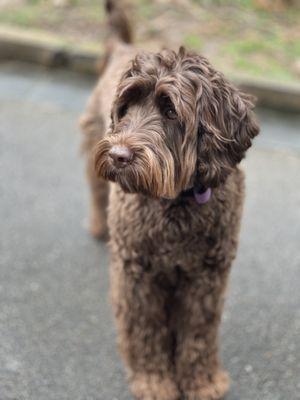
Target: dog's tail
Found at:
x=118, y=22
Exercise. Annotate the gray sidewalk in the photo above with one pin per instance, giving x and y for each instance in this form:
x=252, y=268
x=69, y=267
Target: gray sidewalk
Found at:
x=57, y=340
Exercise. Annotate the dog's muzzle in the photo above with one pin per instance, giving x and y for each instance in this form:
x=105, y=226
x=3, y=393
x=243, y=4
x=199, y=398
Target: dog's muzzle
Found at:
x=121, y=156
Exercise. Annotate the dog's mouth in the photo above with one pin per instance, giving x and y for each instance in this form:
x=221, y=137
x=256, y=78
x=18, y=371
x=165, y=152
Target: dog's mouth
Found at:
x=132, y=176
x=127, y=177
x=138, y=170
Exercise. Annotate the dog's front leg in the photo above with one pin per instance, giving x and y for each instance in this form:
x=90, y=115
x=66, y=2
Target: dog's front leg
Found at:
x=143, y=334
x=99, y=189
x=199, y=375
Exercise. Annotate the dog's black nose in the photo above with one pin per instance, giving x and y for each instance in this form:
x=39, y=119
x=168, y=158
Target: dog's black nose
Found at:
x=120, y=155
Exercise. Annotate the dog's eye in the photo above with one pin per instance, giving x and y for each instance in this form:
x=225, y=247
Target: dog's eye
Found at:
x=170, y=113
x=122, y=111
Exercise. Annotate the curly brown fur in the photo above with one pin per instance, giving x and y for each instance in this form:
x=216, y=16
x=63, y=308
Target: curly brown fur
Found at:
x=185, y=126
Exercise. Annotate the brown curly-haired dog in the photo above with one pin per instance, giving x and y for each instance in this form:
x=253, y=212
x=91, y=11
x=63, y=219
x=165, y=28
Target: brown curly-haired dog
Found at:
x=169, y=130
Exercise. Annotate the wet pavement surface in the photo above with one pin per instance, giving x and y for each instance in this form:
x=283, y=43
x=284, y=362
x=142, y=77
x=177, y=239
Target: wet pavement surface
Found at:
x=57, y=338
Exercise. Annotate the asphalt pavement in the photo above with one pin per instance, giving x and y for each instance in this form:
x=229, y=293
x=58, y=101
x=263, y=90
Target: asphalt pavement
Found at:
x=57, y=338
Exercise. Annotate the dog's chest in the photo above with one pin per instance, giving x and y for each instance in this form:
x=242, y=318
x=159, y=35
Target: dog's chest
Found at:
x=147, y=231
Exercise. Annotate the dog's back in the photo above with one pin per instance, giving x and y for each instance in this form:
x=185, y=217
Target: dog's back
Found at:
x=118, y=53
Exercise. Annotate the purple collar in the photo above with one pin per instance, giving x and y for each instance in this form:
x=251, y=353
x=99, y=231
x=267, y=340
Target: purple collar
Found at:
x=201, y=195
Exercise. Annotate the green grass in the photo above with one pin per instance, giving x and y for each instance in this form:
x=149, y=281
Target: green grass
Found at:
x=36, y=13
x=193, y=42
x=241, y=3
x=145, y=8
x=21, y=16
x=235, y=34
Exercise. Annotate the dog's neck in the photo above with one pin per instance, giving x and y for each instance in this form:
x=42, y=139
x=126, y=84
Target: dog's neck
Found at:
x=201, y=195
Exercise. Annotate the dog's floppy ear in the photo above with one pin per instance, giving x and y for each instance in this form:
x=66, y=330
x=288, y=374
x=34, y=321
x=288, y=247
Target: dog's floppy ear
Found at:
x=226, y=128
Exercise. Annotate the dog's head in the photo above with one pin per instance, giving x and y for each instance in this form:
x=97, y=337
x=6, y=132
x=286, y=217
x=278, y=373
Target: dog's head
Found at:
x=176, y=123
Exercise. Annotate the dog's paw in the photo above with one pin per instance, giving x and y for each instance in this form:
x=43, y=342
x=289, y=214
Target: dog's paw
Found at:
x=213, y=390
x=153, y=387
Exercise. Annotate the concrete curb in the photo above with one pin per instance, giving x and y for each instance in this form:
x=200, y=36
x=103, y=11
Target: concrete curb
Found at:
x=50, y=51
x=47, y=50
x=277, y=96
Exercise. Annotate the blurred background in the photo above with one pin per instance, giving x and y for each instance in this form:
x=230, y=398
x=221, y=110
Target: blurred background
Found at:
x=57, y=337
x=257, y=38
